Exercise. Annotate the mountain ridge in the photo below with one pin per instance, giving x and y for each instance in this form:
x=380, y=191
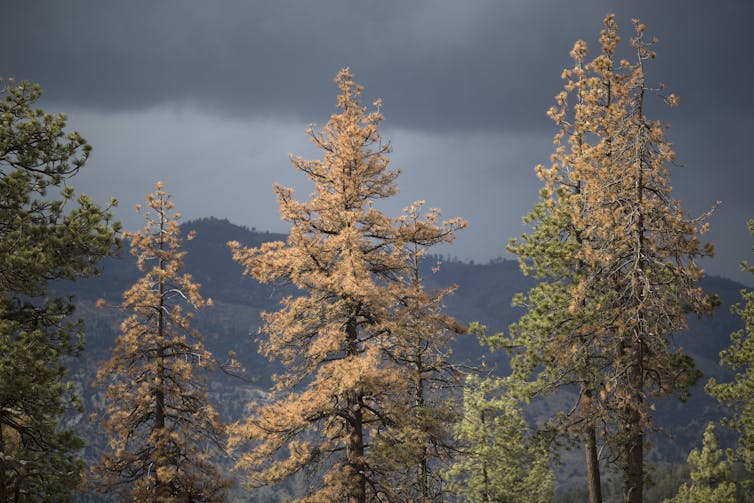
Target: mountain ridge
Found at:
x=483, y=294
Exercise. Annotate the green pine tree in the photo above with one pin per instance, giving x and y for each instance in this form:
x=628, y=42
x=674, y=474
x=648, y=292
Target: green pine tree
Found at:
x=739, y=393
x=710, y=475
x=500, y=458
x=46, y=233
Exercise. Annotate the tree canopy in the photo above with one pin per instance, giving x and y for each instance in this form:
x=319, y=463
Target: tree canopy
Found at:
x=617, y=261
x=164, y=432
x=738, y=394
x=47, y=233
x=352, y=264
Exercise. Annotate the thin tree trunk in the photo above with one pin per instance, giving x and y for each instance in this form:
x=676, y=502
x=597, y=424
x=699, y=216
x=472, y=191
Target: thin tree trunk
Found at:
x=355, y=430
x=633, y=448
x=159, y=419
x=159, y=425
x=419, y=389
x=423, y=461
x=593, y=480
x=633, y=477
x=592, y=465
x=355, y=451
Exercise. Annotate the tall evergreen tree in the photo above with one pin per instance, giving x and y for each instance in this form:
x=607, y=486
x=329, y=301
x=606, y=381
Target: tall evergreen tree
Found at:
x=739, y=393
x=555, y=342
x=46, y=234
x=618, y=257
x=164, y=433
x=413, y=452
x=351, y=263
x=710, y=475
x=641, y=249
x=500, y=458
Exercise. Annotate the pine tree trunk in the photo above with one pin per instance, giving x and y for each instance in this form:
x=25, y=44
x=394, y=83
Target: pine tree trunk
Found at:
x=355, y=430
x=424, y=476
x=355, y=451
x=633, y=448
x=159, y=419
x=633, y=477
x=592, y=465
x=159, y=425
x=423, y=457
x=593, y=480
x=633, y=466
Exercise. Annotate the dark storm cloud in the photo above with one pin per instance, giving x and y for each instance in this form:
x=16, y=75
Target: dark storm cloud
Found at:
x=437, y=64
x=210, y=96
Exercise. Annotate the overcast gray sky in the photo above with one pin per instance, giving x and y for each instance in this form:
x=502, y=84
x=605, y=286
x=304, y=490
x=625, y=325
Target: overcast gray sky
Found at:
x=211, y=97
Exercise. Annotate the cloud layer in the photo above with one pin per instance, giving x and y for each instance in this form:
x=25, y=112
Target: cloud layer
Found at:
x=212, y=96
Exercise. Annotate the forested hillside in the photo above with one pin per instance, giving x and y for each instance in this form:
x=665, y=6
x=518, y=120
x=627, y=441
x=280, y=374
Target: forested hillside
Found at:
x=484, y=293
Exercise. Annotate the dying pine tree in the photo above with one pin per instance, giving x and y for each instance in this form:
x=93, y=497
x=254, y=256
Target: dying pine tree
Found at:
x=163, y=432
x=351, y=264
x=556, y=343
x=413, y=453
x=618, y=259
x=640, y=248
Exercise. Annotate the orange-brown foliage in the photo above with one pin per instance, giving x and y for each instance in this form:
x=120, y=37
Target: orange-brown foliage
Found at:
x=163, y=431
x=353, y=265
